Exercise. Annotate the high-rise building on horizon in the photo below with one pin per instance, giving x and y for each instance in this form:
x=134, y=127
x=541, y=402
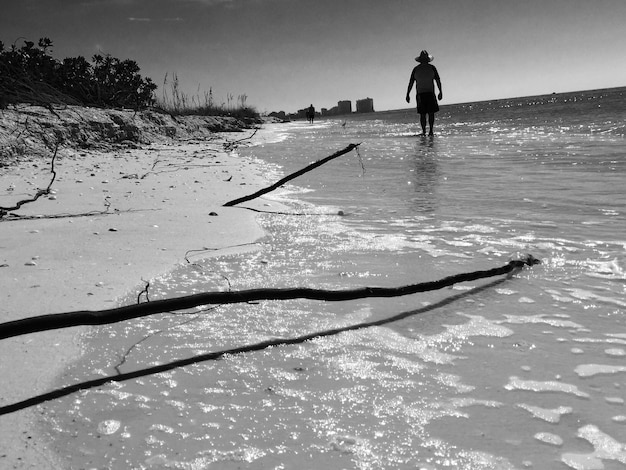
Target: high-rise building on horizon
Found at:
x=344, y=107
x=366, y=105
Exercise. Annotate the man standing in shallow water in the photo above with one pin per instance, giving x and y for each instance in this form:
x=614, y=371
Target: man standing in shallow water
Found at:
x=424, y=75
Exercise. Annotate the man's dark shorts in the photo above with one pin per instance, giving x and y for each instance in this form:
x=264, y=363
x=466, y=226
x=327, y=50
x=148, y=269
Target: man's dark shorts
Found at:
x=427, y=103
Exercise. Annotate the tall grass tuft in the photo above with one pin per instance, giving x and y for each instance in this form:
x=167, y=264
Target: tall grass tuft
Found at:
x=174, y=101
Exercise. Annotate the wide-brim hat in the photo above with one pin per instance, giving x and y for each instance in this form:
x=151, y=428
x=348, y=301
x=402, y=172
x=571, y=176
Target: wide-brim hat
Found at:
x=424, y=57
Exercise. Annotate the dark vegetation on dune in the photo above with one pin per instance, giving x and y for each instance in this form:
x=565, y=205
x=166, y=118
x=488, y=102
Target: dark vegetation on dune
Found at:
x=29, y=74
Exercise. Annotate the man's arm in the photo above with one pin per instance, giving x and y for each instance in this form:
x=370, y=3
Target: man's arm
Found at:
x=408, y=90
x=438, y=82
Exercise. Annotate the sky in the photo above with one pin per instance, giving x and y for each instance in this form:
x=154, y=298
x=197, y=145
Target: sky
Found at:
x=287, y=54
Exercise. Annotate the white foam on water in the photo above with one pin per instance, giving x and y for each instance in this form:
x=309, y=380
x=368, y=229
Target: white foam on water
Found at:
x=476, y=326
x=245, y=454
x=541, y=318
x=589, y=370
x=605, y=448
x=545, y=414
x=389, y=341
x=483, y=460
x=467, y=460
x=466, y=402
x=607, y=269
x=515, y=383
x=600, y=340
x=559, y=297
x=355, y=241
x=461, y=288
x=582, y=461
x=549, y=438
x=618, y=352
x=454, y=381
x=109, y=426
x=162, y=428
x=458, y=243
x=614, y=400
x=505, y=291
x=583, y=294
x=561, y=315
x=361, y=448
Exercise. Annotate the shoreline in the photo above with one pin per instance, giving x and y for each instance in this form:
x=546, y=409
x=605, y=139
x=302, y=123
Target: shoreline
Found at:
x=114, y=220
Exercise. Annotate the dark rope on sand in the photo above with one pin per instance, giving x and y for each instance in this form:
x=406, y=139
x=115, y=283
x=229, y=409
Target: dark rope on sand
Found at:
x=282, y=181
x=100, y=317
x=509, y=269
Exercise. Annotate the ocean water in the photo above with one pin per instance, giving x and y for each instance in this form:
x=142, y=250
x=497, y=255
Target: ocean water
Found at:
x=525, y=371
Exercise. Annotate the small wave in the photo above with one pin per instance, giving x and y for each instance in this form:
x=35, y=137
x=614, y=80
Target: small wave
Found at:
x=515, y=383
x=605, y=448
x=610, y=269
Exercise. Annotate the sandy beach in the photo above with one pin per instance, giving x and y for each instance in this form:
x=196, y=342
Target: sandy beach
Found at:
x=117, y=216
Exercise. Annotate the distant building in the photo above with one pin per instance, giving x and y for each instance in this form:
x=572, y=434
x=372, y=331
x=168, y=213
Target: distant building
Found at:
x=366, y=105
x=344, y=107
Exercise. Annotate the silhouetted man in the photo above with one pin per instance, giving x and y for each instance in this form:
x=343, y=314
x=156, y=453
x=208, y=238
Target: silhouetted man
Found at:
x=424, y=75
x=310, y=114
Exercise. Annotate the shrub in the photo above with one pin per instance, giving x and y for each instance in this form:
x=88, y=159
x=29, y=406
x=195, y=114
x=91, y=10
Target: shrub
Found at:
x=29, y=74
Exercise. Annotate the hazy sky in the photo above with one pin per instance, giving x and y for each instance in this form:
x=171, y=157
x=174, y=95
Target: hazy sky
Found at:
x=286, y=54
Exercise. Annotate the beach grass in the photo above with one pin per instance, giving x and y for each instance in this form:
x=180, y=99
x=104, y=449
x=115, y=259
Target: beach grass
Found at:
x=202, y=103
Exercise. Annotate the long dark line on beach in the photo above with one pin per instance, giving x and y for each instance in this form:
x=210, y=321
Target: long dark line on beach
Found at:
x=213, y=356
x=128, y=312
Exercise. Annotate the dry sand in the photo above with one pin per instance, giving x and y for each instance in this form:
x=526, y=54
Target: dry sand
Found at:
x=163, y=199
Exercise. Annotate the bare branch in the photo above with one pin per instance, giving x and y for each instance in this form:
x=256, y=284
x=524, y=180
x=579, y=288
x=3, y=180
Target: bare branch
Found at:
x=101, y=317
x=281, y=182
x=42, y=192
x=144, y=291
x=231, y=145
x=205, y=249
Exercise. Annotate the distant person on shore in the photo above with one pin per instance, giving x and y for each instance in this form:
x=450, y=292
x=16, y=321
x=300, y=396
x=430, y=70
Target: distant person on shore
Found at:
x=310, y=114
x=424, y=76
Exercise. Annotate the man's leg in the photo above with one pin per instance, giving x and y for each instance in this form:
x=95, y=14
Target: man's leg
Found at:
x=431, y=122
x=423, y=123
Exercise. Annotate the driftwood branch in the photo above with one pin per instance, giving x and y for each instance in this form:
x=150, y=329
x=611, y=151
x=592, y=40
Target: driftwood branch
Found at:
x=144, y=291
x=281, y=182
x=41, y=192
x=16, y=217
x=216, y=355
x=100, y=317
x=205, y=249
x=231, y=145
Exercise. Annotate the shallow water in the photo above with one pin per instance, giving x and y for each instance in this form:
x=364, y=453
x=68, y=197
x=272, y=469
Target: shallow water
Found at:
x=526, y=372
